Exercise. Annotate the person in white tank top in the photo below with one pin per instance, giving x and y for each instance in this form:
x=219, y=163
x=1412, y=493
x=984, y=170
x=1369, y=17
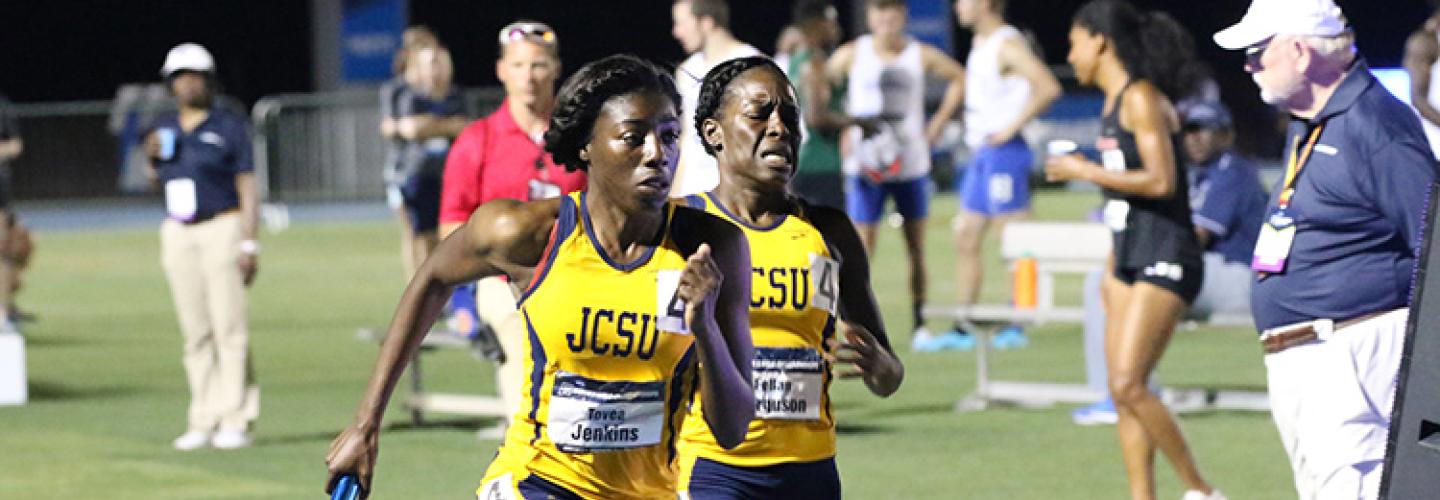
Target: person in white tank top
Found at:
x=885, y=74
x=1006, y=86
x=703, y=29
x=1422, y=52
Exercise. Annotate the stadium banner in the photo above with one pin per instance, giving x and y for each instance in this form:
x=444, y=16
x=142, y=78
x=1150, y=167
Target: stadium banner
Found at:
x=369, y=36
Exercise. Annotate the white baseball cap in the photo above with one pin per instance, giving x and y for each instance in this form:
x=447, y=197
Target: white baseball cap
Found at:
x=1267, y=18
x=187, y=57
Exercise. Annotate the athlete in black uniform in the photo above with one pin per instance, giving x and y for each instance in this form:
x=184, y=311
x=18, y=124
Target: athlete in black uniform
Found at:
x=1156, y=264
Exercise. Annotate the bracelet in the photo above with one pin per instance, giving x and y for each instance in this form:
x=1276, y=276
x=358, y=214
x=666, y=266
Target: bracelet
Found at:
x=250, y=247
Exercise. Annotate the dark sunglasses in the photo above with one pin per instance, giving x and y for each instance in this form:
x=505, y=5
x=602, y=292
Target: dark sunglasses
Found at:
x=1255, y=52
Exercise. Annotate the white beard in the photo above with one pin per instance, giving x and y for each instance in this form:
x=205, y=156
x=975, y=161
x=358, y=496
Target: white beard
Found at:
x=1276, y=97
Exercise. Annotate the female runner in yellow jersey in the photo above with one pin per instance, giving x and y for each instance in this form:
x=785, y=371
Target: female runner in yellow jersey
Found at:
x=806, y=261
x=632, y=304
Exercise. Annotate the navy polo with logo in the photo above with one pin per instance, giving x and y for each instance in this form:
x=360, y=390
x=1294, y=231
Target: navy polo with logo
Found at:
x=211, y=155
x=1359, y=205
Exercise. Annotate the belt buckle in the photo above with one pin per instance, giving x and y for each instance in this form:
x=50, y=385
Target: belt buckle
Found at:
x=1323, y=328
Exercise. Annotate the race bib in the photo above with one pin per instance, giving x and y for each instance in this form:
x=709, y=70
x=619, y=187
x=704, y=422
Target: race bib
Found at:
x=500, y=488
x=669, y=307
x=589, y=415
x=1116, y=215
x=1002, y=188
x=1272, y=248
x=1113, y=159
x=541, y=190
x=180, y=201
x=824, y=283
x=788, y=383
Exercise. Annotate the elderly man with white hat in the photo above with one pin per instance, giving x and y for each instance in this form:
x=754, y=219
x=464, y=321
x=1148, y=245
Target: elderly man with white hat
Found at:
x=201, y=155
x=1337, y=250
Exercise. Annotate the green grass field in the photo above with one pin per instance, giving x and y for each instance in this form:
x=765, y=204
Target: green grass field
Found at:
x=108, y=393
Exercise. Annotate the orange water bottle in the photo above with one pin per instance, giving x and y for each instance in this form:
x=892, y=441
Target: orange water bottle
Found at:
x=1026, y=277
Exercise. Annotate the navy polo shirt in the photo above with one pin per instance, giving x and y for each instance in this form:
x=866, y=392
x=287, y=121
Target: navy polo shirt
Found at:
x=211, y=156
x=1227, y=200
x=1359, y=206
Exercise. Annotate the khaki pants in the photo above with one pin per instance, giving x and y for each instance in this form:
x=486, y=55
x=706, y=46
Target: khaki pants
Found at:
x=495, y=300
x=201, y=263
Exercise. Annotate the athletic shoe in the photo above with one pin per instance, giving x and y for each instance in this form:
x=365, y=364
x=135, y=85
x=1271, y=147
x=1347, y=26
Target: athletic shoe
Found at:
x=921, y=336
x=953, y=340
x=231, y=440
x=1010, y=337
x=192, y=440
x=1197, y=495
x=1102, y=413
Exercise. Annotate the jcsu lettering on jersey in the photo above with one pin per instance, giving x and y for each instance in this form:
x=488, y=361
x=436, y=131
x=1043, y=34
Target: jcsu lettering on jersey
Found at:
x=788, y=287
x=632, y=333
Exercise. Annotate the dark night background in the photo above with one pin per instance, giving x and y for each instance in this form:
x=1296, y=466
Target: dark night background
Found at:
x=70, y=50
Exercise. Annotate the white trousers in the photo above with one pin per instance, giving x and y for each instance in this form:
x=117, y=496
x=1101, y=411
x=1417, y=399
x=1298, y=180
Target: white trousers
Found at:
x=1331, y=401
x=495, y=301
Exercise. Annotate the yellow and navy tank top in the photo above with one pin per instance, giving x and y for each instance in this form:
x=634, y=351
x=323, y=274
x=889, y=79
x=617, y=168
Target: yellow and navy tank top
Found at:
x=794, y=282
x=609, y=370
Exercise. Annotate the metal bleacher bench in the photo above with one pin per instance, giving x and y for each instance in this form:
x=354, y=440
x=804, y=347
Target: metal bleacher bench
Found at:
x=420, y=401
x=1074, y=248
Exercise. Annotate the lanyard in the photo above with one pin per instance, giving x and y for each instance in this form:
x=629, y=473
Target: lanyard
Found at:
x=1297, y=162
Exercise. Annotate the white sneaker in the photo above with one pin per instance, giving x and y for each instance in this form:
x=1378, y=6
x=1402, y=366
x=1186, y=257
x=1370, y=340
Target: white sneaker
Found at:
x=191, y=440
x=1197, y=495
x=230, y=440
x=921, y=336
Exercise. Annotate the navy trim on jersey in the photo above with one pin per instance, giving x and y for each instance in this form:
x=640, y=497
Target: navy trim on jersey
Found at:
x=564, y=225
x=695, y=201
x=537, y=373
x=739, y=221
x=590, y=231
x=825, y=336
x=675, y=395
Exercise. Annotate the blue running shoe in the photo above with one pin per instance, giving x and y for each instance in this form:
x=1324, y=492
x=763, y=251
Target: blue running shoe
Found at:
x=1010, y=337
x=1102, y=413
x=953, y=340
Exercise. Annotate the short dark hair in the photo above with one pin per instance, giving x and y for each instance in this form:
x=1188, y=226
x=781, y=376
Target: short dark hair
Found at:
x=584, y=93
x=716, y=10
x=885, y=4
x=712, y=90
x=810, y=10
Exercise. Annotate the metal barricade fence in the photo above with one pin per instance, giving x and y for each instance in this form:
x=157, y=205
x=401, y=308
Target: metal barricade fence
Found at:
x=327, y=146
x=69, y=152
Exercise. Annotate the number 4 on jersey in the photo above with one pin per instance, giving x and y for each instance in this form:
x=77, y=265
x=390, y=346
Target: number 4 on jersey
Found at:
x=825, y=276
x=668, y=304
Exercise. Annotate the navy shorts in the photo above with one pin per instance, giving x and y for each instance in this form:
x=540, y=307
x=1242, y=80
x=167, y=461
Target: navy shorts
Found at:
x=711, y=480
x=537, y=488
x=420, y=195
x=865, y=200
x=997, y=181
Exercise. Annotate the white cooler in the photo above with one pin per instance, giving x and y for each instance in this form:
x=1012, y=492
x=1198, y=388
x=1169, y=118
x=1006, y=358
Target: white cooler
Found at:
x=12, y=370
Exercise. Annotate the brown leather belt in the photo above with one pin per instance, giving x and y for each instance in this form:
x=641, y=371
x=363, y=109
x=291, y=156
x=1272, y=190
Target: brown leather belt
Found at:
x=1305, y=332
